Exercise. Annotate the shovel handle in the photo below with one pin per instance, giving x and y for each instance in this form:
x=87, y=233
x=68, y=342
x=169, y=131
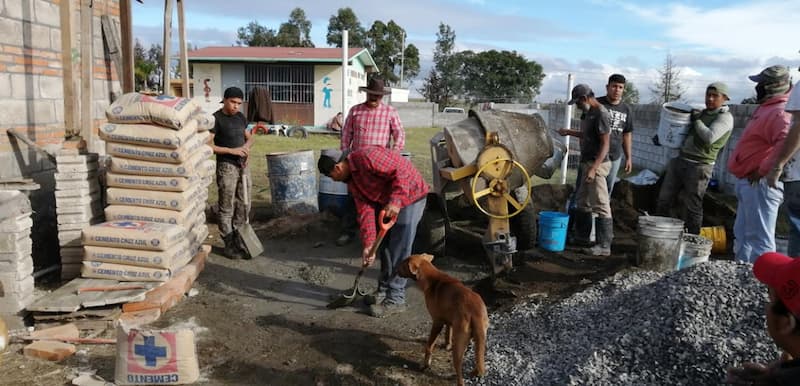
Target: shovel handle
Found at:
x=384, y=224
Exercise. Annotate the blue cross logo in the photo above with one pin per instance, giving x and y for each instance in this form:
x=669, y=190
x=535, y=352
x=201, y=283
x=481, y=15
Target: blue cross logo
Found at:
x=150, y=351
x=127, y=224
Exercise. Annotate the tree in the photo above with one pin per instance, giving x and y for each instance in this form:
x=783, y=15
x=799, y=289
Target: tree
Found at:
x=255, y=35
x=147, y=65
x=296, y=32
x=346, y=19
x=410, y=62
x=443, y=83
x=386, y=45
x=500, y=76
x=668, y=88
x=631, y=94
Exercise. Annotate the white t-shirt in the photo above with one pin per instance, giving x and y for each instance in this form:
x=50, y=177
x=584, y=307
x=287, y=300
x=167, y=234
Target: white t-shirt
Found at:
x=791, y=172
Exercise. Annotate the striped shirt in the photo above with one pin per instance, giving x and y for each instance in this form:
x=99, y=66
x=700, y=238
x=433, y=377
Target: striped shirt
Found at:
x=367, y=126
x=378, y=177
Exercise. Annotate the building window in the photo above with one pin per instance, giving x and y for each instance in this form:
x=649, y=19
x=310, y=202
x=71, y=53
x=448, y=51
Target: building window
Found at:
x=286, y=83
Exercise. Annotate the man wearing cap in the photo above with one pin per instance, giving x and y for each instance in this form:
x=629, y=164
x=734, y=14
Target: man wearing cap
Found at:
x=371, y=123
x=781, y=274
x=231, y=143
x=787, y=165
x=688, y=173
x=381, y=179
x=751, y=161
x=621, y=128
x=592, y=193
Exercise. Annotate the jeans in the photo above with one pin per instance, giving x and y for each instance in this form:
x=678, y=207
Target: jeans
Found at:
x=690, y=180
x=396, y=248
x=791, y=197
x=611, y=178
x=754, y=228
x=232, y=202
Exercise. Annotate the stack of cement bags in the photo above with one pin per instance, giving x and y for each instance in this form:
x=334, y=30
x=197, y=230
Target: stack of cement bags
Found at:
x=16, y=264
x=160, y=167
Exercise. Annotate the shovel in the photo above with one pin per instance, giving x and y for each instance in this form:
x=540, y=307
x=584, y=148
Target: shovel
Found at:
x=244, y=233
x=348, y=297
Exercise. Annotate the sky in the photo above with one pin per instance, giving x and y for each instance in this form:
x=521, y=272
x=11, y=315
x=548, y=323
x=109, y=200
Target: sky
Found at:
x=709, y=40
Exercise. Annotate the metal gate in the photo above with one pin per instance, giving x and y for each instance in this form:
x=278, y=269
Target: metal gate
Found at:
x=291, y=87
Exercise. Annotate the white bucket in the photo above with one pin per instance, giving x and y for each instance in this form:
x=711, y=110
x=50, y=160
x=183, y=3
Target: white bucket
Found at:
x=694, y=250
x=674, y=123
x=659, y=243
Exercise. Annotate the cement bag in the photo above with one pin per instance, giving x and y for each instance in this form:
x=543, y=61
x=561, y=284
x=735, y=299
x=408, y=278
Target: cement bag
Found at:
x=164, y=184
x=134, y=234
x=164, y=216
x=154, y=259
x=149, y=168
x=165, y=110
x=156, y=357
x=147, y=135
x=177, y=201
x=148, y=153
x=205, y=121
x=125, y=272
x=208, y=168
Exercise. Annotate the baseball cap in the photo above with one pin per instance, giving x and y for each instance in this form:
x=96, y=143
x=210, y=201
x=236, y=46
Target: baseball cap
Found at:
x=771, y=74
x=232, y=92
x=781, y=273
x=580, y=91
x=720, y=87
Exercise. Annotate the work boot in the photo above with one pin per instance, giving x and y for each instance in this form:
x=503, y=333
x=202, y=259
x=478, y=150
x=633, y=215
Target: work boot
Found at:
x=583, y=228
x=231, y=250
x=386, y=308
x=376, y=297
x=604, y=231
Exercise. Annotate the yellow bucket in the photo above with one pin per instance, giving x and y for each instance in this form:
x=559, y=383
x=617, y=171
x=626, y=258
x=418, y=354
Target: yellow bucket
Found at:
x=717, y=235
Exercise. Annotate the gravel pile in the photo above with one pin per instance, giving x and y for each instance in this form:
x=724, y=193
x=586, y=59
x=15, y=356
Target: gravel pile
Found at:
x=640, y=328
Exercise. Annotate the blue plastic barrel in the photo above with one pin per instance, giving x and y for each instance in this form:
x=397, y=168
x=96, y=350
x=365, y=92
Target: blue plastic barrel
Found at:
x=333, y=195
x=553, y=230
x=293, y=182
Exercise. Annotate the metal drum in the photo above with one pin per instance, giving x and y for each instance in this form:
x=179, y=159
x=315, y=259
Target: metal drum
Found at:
x=293, y=182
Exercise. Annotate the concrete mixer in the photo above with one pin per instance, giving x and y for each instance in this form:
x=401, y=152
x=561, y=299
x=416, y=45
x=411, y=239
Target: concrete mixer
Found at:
x=481, y=181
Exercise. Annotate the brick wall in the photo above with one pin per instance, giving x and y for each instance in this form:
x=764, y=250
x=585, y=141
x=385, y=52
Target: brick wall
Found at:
x=32, y=94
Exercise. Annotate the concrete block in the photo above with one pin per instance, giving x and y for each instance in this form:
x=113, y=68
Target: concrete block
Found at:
x=77, y=176
x=80, y=184
x=11, y=30
x=46, y=13
x=39, y=37
x=80, y=218
x=11, y=285
x=17, y=224
x=78, y=201
x=71, y=260
x=51, y=87
x=12, y=257
x=66, y=158
x=49, y=350
x=71, y=252
x=11, y=242
x=77, y=168
x=13, y=204
x=69, y=235
x=22, y=268
x=95, y=208
x=70, y=271
x=76, y=192
x=74, y=227
x=15, y=302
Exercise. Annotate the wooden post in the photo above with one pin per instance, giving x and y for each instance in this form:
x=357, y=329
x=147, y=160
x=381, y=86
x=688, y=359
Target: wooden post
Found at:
x=126, y=43
x=187, y=92
x=87, y=38
x=70, y=125
x=165, y=77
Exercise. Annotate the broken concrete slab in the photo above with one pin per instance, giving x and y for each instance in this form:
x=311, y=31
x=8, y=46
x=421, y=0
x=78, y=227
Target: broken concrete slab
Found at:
x=49, y=350
x=138, y=318
x=64, y=331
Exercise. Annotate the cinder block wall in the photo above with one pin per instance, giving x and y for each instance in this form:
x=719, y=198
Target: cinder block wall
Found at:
x=32, y=96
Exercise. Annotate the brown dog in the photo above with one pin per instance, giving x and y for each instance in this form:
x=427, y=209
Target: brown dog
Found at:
x=453, y=305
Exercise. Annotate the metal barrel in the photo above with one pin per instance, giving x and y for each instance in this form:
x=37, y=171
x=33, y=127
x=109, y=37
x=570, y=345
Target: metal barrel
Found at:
x=333, y=195
x=293, y=182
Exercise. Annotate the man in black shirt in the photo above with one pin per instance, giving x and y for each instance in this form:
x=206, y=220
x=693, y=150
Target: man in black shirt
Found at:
x=621, y=128
x=231, y=143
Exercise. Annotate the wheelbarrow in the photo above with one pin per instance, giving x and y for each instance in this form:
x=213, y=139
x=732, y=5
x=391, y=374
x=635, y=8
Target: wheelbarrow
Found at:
x=351, y=295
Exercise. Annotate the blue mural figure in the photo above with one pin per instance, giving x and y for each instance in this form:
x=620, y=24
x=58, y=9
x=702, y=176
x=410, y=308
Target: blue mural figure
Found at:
x=326, y=91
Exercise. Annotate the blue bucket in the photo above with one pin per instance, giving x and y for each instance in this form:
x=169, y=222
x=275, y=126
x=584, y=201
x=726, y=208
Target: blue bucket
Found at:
x=293, y=182
x=553, y=230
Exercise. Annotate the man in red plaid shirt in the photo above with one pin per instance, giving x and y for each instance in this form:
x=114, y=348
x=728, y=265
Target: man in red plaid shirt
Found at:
x=380, y=178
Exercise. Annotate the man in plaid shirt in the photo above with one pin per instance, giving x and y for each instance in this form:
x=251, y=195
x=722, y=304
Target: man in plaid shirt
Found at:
x=380, y=178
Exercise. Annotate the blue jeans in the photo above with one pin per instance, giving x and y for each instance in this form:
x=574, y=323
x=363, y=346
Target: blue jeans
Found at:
x=791, y=197
x=756, y=213
x=611, y=178
x=396, y=248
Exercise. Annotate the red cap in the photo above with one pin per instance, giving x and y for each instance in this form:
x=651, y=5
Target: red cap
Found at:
x=781, y=273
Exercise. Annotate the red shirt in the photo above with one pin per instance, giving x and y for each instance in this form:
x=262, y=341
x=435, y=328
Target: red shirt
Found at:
x=366, y=126
x=761, y=139
x=380, y=176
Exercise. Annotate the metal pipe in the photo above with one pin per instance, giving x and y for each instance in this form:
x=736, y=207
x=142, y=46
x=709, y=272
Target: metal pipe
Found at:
x=32, y=144
x=345, y=77
x=45, y=271
x=568, y=125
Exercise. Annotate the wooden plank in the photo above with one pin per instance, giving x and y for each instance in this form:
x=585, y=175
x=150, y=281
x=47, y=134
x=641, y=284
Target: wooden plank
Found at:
x=126, y=46
x=112, y=40
x=109, y=313
x=66, y=298
x=86, y=118
x=165, y=78
x=67, y=64
x=186, y=90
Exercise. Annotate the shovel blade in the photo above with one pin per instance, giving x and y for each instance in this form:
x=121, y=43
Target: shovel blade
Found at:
x=249, y=241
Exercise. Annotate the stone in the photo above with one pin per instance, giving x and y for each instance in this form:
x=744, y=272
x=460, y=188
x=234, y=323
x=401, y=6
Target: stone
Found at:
x=49, y=350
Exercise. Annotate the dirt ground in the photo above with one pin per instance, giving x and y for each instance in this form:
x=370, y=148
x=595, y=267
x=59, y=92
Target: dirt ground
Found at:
x=264, y=321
